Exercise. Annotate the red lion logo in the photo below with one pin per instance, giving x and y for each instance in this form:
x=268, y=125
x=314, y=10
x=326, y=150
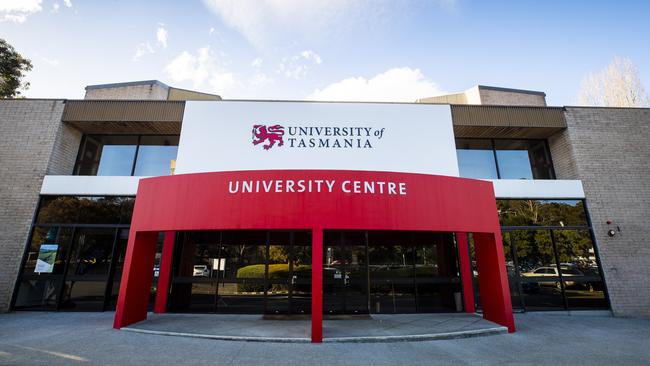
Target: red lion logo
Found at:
x=272, y=134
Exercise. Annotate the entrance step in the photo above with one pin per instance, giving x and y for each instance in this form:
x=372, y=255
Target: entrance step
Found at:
x=378, y=328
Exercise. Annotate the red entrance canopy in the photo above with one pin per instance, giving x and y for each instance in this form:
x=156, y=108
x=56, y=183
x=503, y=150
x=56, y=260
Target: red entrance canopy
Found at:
x=316, y=200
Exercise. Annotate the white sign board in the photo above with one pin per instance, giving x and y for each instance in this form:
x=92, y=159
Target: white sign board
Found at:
x=245, y=135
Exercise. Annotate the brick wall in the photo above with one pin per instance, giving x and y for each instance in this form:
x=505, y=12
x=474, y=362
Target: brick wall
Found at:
x=612, y=157
x=562, y=155
x=29, y=130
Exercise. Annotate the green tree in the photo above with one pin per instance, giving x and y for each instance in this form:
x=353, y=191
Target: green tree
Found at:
x=13, y=67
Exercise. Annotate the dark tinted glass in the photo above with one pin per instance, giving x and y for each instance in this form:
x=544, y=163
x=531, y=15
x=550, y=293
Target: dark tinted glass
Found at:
x=392, y=272
x=80, y=210
x=345, y=280
x=541, y=213
x=513, y=278
x=42, y=275
x=88, y=269
x=539, y=279
x=523, y=159
x=156, y=155
x=583, y=283
x=476, y=159
x=436, y=270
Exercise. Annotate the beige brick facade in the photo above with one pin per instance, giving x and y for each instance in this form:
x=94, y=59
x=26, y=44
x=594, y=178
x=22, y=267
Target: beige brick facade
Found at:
x=31, y=130
x=610, y=150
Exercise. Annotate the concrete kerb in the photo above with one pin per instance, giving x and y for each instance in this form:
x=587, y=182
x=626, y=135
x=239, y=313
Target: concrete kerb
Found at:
x=368, y=339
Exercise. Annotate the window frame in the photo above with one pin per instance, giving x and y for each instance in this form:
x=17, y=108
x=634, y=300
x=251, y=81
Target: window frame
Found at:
x=82, y=145
x=547, y=152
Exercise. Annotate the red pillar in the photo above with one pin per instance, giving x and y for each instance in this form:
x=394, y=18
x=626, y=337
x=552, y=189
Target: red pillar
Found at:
x=165, y=273
x=493, y=279
x=465, y=272
x=136, y=280
x=317, y=286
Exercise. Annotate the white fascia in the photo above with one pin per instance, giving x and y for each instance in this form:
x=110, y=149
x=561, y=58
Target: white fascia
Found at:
x=82, y=185
x=538, y=188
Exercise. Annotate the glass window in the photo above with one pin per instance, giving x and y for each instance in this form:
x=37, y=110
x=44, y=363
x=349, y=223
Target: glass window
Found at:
x=156, y=155
x=558, y=213
x=125, y=155
x=80, y=210
x=107, y=155
x=540, y=283
x=583, y=284
x=476, y=159
x=522, y=159
x=503, y=159
x=42, y=275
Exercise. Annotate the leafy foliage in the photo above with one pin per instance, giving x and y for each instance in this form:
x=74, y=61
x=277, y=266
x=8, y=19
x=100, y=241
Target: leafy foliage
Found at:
x=13, y=67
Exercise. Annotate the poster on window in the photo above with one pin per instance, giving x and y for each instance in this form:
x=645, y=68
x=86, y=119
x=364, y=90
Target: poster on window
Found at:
x=46, y=258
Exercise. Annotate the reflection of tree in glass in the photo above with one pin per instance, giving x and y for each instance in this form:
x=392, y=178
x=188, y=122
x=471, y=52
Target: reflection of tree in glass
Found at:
x=100, y=210
x=541, y=213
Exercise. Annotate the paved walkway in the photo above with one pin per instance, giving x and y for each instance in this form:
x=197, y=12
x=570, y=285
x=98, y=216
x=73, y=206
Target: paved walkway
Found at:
x=39, y=338
x=378, y=328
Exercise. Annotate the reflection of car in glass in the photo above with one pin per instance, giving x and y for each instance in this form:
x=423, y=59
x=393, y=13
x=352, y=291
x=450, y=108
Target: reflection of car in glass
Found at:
x=567, y=271
x=201, y=270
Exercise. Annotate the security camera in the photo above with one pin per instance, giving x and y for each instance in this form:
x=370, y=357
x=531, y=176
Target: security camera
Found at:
x=611, y=232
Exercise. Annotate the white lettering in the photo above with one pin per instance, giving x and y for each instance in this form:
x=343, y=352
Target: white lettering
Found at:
x=391, y=188
x=230, y=189
x=402, y=188
x=330, y=185
x=344, y=185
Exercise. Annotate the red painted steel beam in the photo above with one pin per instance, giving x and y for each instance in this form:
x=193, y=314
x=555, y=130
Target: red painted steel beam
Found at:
x=137, y=275
x=317, y=286
x=493, y=279
x=465, y=272
x=165, y=273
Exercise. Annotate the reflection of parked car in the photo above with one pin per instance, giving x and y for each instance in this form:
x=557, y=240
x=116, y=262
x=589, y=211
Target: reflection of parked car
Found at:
x=567, y=271
x=201, y=270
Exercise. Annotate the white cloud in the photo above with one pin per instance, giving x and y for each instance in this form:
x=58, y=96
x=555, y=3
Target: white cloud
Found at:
x=210, y=31
x=297, y=66
x=68, y=3
x=14, y=18
x=143, y=49
x=395, y=85
x=190, y=67
x=55, y=7
x=161, y=35
x=20, y=6
x=16, y=11
x=207, y=68
x=258, y=20
x=222, y=82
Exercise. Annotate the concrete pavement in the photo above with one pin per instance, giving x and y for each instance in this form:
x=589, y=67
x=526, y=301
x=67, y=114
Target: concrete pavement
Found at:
x=40, y=338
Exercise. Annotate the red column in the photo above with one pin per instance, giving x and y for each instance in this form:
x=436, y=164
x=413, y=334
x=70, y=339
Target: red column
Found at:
x=465, y=272
x=317, y=286
x=493, y=279
x=136, y=280
x=165, y=273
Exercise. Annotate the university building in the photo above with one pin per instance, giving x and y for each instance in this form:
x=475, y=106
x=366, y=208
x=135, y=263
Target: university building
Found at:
x=144, y=197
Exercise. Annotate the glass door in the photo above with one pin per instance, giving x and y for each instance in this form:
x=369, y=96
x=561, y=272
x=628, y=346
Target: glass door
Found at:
x=345, y=273
x=289, y=273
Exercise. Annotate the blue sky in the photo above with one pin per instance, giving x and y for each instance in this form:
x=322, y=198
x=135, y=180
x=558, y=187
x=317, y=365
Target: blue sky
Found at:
x=337, y=50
